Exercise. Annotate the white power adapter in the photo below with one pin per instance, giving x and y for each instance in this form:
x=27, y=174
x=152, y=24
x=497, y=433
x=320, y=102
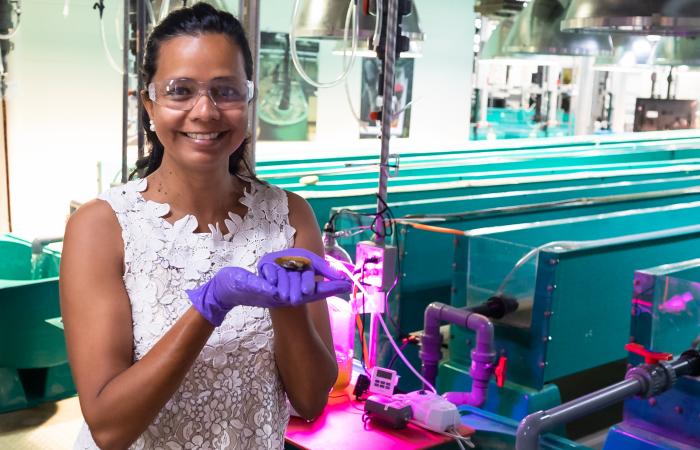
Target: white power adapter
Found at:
x=431, y=411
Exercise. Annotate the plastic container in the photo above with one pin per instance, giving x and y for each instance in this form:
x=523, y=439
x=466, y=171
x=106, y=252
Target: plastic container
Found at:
x=343, y=329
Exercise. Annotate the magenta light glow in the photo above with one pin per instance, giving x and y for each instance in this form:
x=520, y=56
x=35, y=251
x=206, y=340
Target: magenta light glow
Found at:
x=677, y=303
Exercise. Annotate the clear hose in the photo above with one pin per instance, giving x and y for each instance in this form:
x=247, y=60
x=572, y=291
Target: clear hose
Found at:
x=353, y=13
x=112, y=63
x=164, y=9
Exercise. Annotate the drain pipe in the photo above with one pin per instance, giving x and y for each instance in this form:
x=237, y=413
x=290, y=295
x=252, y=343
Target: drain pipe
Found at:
x=645, y=380
x=483, y=354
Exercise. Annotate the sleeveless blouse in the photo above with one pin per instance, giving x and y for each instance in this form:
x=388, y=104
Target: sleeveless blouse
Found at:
x=232, y=396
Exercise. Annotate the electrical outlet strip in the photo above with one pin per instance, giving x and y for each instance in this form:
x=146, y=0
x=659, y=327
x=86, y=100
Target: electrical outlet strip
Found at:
x=431, y=411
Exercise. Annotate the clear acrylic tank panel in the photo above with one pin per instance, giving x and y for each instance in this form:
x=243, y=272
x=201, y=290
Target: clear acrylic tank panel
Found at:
x=497, y=267
x=669, y=297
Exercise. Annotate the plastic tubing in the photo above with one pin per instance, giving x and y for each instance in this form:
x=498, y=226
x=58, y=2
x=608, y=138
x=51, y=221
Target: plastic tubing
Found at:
x=110, y=59
x=433, y=228
x=358, y=285
x=353, y=12
x=427, y=384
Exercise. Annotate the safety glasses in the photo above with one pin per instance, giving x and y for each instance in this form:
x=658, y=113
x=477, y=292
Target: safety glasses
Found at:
x=182, y=93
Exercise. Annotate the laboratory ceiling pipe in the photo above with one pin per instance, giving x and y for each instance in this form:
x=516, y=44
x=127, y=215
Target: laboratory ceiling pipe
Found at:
x=325, y=19
x=660, y=17
x=645, y=380
x=483, y=354
x=677, y=51
x=536, y=31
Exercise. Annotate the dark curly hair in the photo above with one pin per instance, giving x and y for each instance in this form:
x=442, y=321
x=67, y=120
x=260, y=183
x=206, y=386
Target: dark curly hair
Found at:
x=196, y=20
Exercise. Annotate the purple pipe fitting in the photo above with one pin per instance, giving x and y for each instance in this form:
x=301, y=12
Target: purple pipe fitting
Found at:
x=483, y=354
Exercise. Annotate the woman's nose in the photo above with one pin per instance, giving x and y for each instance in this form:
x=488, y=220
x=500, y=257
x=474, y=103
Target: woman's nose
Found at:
x=204, y=107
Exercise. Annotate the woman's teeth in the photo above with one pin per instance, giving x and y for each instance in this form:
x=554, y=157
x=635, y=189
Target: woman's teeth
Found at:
x=203, y=136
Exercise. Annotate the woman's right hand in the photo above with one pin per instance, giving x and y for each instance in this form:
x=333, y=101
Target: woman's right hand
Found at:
x=230, y=287
x=236, y=286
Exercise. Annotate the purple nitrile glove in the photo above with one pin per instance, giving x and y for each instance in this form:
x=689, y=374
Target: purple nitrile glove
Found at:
x=229, y=287
x=297, y=282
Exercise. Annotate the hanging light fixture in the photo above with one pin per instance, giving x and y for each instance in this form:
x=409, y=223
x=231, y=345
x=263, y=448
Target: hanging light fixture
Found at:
x=677, y=51
x=325, y=19
x=536, y=31
x=494, y=50
x=660, y=17
x=410, y=27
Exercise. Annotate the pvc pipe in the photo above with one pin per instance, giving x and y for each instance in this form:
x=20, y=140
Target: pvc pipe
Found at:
x=529, y=430
x=645, y=380
x=38, y=244
x=483, y=354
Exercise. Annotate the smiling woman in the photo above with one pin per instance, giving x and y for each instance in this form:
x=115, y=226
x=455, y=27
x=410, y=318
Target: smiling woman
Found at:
x=211, y=127
x=176, y=336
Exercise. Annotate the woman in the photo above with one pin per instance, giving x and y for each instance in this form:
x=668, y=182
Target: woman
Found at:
x=173, y=340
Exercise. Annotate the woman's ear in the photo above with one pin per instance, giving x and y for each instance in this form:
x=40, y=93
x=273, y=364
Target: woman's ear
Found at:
x=147, y=103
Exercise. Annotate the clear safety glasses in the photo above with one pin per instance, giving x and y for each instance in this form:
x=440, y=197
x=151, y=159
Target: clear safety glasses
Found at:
x=182, y=93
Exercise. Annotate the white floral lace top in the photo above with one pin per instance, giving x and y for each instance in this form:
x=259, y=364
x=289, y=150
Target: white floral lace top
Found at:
x=232, y=397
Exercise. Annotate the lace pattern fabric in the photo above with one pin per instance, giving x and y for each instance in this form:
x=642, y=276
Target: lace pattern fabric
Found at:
x=232, y=398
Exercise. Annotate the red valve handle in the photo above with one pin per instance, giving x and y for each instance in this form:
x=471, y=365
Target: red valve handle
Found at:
x=649, y=356
x=500, y=371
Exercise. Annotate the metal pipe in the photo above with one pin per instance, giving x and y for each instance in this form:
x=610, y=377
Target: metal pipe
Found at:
x=249, y=10
x=125, y=94
x=387, y=114
x=387, y=108
x=141, y=14
x=483, y=354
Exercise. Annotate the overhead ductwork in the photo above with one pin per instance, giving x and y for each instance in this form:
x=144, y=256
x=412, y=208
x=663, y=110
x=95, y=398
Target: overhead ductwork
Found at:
x=658, y=17
x=536, y=31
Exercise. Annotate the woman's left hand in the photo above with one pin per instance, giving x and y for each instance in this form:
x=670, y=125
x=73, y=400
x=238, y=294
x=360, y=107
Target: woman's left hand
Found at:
x=294, y=272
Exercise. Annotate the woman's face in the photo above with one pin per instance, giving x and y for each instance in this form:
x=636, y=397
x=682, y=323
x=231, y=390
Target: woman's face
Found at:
x=204, y=137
